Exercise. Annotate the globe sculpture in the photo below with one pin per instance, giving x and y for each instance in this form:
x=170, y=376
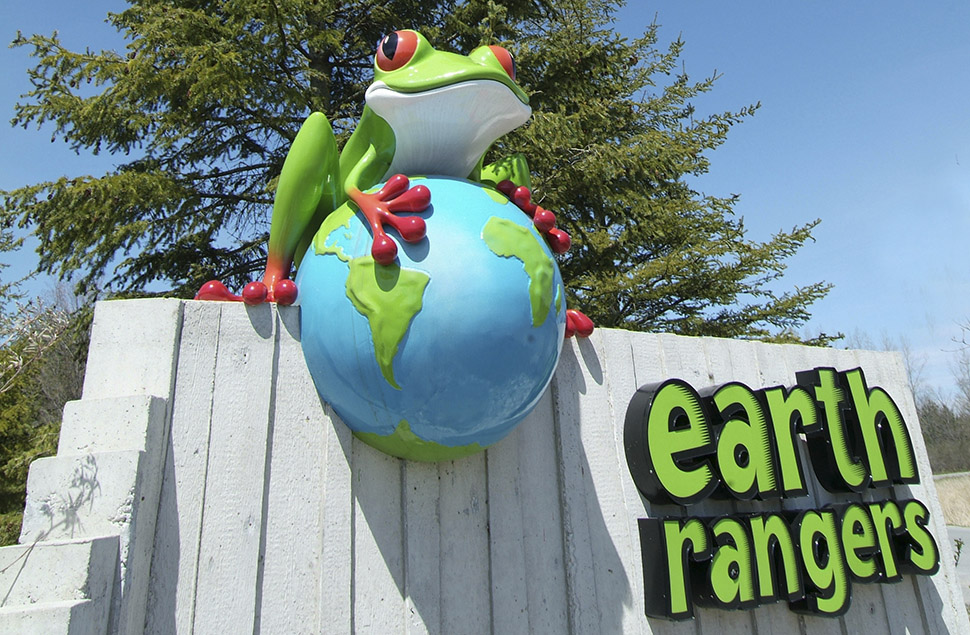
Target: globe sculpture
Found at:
x=440, y=353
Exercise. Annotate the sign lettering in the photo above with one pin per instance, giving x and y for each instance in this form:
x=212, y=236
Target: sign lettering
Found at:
x=684, y=445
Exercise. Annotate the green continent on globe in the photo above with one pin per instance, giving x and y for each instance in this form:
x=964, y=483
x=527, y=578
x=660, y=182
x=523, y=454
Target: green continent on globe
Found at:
x=340, y=218
x=511, y=240
x=405, y=444
x=389, y=296
x=495, y=195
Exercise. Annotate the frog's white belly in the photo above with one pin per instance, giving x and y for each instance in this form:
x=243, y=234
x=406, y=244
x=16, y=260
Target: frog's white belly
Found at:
x=445, y=131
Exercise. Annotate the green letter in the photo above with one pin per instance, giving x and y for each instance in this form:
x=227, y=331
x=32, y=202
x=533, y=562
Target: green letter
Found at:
x=882, y=425
x=886, y=518
x=836, y=467
x=771, y=536
x=859, y=543
x=789, y=412
x=920, y=554
x=818, y=542
x=731, y=574
x=667, y=544
x=666, y=433
x=743, y=444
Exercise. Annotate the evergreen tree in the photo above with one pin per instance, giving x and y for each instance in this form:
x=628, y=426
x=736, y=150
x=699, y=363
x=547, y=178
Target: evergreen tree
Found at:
x=211, y=92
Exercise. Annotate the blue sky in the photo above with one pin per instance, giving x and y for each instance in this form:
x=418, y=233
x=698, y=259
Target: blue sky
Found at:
x=865, y=123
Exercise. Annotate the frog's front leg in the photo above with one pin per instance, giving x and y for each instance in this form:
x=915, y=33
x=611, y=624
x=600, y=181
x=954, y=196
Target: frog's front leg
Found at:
x=511, y=177
x=543, y=219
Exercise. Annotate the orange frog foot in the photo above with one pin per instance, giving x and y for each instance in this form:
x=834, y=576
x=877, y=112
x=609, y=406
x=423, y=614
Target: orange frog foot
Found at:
x=284, y=292
x=578, y=324
x=381, y=208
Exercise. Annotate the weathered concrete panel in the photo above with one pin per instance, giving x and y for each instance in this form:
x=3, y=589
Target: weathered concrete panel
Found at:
x=539, y=534
x=274, y=518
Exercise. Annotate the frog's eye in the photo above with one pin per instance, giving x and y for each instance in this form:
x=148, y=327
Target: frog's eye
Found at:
x=396, y=50
x=505, y=59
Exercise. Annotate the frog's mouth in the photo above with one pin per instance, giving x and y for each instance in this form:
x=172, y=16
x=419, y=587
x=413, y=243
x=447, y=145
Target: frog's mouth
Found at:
x=446, y=130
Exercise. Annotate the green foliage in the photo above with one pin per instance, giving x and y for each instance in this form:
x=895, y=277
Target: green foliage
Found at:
x=945, y=421
x=42, y=352
x=947, y=434
x=204, y=103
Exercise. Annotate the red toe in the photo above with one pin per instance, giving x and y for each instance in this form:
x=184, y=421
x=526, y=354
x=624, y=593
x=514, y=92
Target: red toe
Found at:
x=506, y=187
x=254, y=293
x=577, y=322
x=213, y=290
x=544, y=220
x=285, y=292
x=559, y=241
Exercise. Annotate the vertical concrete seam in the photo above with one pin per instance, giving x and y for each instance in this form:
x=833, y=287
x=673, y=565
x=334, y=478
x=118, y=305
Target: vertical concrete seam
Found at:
x=321, y=537
x=267, y=474
x=491, y=552
x=177, y=344
x=164, y=441
x=403, y=519
x=919, y=602
x=205, y=479
x=353, y=540
x=437, y=514
x=557, y=438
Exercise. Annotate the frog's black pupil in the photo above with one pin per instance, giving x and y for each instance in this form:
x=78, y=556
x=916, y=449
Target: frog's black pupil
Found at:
x=513, y=65
x=389, y=47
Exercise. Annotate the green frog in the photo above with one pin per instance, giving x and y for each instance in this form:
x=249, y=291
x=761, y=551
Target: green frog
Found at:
x=427, y=112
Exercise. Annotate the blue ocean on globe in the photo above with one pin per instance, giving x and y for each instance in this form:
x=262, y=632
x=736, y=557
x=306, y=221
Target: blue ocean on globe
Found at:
x=452, y=344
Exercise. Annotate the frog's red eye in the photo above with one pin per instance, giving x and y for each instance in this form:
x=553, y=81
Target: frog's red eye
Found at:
x=396, y=50
x=505, y=59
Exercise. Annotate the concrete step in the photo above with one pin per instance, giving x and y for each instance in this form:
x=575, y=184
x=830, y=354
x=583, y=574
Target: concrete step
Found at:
x=69, y=617
x=89, y=495
x=135, y=422
x=57, y=571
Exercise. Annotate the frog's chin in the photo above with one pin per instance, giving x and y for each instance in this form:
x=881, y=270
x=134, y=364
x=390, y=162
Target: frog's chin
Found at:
x=446, y=130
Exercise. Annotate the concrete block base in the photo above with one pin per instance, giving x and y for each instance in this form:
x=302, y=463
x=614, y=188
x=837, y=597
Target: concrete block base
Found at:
x=58, y=586
x=70, y=617
x=238, y=502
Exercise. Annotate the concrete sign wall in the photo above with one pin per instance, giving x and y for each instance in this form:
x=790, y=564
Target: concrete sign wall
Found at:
x=235, y=501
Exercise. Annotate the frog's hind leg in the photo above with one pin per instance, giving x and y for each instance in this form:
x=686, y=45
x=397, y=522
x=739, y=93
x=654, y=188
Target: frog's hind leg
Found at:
x=307, y=191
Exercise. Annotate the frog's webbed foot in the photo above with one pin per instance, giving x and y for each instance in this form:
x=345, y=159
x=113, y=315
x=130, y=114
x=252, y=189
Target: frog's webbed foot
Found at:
x=578, y=324
x=543, y=219
x=284, y=292
x=379, y=208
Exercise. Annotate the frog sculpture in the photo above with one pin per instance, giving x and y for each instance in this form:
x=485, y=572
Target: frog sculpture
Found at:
x=378, y=312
